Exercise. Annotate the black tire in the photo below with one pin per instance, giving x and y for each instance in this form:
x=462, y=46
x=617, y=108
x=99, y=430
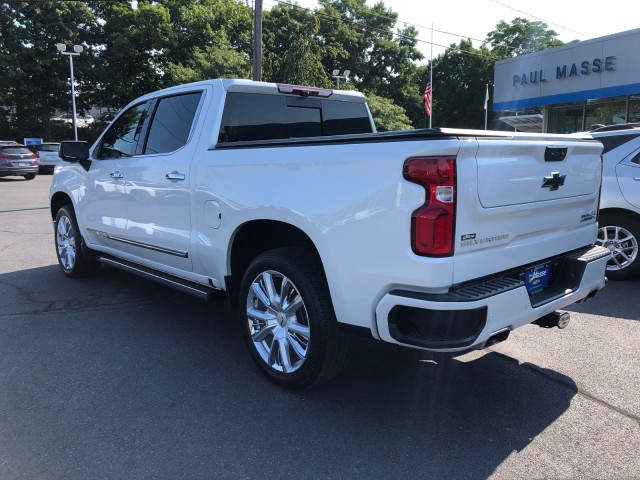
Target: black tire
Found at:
x=621, y=234
x=74, y=258
x=300, y=321
x=30, y=176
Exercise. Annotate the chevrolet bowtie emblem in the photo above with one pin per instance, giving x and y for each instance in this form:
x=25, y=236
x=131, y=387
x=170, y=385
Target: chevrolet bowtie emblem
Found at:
x=554, y=181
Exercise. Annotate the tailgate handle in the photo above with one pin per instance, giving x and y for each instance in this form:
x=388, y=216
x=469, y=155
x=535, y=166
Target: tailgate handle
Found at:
x=555, y=154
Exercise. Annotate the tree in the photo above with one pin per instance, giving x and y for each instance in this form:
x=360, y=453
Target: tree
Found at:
x=283, y=27
x=460, y=76
x=519, y=37
x=387, y=116
x=132, y=50
x=35, y=77
x=302, y=65
x=212, y=39
x=359, y=38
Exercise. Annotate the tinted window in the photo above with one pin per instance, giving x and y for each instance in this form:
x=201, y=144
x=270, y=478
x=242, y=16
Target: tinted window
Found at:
x=250, y=116
x=610, y=143
x=47, y=148
x=171, y=123
x=122, y=137
x=342, y=118
x=636, y=158
x=304, y=122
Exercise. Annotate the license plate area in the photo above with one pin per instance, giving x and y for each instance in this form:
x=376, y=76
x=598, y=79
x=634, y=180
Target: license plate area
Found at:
x=537, y=277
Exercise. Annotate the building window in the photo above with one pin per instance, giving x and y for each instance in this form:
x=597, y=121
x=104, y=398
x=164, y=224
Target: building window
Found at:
x=634, y=109
x=566, y=119
x=605, y=112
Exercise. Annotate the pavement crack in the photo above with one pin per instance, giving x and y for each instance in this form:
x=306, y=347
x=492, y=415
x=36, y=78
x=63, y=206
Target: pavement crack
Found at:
x=571, y=386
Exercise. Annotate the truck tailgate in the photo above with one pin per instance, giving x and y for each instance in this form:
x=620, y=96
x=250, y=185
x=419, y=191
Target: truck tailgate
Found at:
x=516, y=174
x=524, y=201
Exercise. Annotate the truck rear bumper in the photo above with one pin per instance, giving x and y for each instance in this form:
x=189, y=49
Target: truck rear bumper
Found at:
x=470, y=314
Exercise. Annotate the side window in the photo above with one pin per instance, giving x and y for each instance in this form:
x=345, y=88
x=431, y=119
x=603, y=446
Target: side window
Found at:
x=636, y=158
x=171, y=123
x=122, y=137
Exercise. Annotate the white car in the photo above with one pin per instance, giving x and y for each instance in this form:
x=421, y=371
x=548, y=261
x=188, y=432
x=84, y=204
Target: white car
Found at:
x=619, y=217
x=48, y=152
x=81, y=120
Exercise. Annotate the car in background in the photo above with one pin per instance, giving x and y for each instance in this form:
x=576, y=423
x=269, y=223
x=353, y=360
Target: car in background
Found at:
x=62, y=118
x=48, y=152
x=8, y=142
x=66, y=118
x=18, y=160
x=619, y=216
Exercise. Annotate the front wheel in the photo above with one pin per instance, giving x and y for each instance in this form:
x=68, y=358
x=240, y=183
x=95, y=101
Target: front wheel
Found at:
x=73, y=261
x=621, y=235
x=288, y=320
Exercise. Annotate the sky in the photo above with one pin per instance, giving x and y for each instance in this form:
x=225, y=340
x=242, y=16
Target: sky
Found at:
x=571, y=19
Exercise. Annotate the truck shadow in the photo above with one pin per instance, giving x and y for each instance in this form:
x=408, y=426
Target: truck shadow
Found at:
x=122, y=378
x=618, y=299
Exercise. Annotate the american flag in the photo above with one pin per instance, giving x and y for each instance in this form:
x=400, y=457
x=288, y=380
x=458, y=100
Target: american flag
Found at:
x=427, y=99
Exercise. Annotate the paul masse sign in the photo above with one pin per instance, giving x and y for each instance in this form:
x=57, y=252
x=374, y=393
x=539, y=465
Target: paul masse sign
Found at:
x=599, y=68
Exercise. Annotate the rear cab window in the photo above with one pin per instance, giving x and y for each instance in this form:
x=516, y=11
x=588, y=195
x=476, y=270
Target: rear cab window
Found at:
x=254, y=117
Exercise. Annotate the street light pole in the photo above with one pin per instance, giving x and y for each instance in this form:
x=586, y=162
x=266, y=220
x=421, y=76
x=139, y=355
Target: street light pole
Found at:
x=337, y=76
x=76, y=51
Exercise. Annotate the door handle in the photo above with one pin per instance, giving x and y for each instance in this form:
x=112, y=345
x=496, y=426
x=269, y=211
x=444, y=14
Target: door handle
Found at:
x=175, y=176
x=116, y=175
x=637, y=178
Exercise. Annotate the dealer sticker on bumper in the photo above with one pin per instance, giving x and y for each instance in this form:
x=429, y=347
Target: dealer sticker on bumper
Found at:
x=537, y=277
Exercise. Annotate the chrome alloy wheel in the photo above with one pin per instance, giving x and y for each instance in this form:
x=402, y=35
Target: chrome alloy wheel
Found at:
x=278, y=322
x=623, y=246
x=66, y=243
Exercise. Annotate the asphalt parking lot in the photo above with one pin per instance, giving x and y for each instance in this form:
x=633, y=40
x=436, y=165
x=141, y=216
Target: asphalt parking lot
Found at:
x=114, y=377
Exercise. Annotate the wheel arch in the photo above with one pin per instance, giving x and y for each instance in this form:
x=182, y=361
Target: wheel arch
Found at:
x=58, y=200
x=622, y=212
x=255, y=237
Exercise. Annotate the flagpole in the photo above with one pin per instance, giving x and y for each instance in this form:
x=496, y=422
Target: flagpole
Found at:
x=486, y=100
x=431, y=77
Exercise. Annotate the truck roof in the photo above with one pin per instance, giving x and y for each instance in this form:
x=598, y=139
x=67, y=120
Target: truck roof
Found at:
x=250, y=86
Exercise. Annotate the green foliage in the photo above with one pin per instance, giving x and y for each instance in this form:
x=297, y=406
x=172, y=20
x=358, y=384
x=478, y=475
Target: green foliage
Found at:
x=520, y=37
x=131, y=51
x=459, y=86
x=387, y=116
x=132, y=54
x=35, y=77
x=212, y=40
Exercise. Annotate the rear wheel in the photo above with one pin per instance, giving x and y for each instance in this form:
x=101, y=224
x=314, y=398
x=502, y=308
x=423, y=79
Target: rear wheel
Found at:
x=74, y=261
x=621, y=235
x=288, y=320
x=30, y=176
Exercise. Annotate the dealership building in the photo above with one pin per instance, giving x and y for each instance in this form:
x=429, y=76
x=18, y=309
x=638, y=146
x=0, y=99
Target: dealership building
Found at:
x=571, y=88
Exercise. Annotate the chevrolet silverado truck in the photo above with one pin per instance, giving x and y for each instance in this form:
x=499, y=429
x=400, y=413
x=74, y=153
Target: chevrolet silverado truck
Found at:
x=316, y=226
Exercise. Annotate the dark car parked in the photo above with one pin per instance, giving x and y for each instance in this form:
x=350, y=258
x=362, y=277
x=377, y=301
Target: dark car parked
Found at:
x=18, y=160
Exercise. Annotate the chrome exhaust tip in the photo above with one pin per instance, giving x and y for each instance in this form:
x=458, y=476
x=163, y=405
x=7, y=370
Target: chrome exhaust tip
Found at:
x=563, y=320
x=554, y=319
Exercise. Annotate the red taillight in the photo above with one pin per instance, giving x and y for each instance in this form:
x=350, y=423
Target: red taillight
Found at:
x=4, y=155
x=433, y=224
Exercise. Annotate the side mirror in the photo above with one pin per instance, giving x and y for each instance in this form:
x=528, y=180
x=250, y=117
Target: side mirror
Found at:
x=74, y=152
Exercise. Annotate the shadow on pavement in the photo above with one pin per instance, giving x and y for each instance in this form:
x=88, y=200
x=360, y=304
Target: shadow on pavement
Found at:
x=618, y=299
x=116, y=377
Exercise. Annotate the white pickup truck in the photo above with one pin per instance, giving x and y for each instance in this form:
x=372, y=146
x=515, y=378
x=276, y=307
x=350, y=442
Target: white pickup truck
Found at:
x=315, y=225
